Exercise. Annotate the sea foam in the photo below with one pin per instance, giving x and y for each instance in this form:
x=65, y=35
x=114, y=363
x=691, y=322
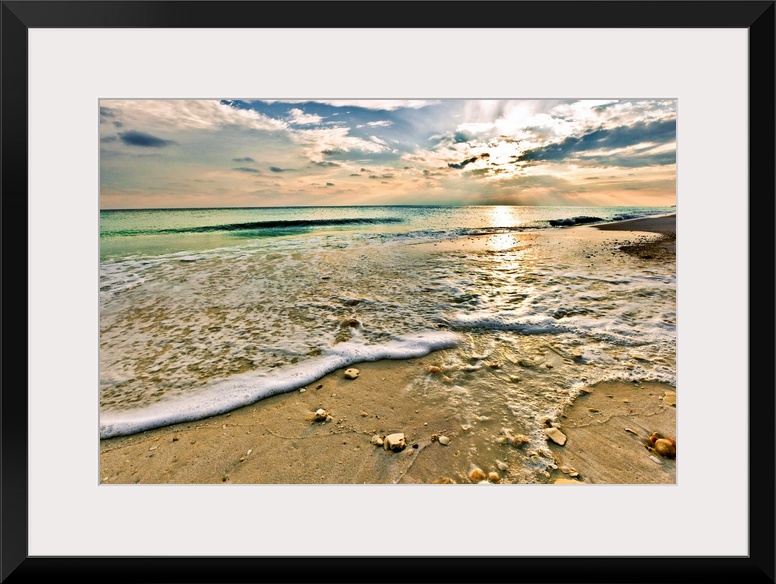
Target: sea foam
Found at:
x=242, y=390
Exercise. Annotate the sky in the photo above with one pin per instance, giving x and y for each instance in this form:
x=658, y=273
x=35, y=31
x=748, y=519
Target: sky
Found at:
x=270, y=153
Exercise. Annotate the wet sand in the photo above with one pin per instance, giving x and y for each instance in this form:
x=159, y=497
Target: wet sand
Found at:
x=277, y=441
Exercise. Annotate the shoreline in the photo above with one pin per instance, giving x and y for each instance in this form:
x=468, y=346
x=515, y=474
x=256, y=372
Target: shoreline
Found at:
x=274, y=441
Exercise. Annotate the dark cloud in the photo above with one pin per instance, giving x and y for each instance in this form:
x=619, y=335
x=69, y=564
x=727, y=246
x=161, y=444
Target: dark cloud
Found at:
x=354, y=174
x=135, y=138
x=278, y=169
x=629, y=161
x=107, y=112
x=243, y=159
x=660, y=132
x=247, y=169
x=326, y=163
x=329, y=184
x=106, y=139
x=462, y=164
x=381, y=176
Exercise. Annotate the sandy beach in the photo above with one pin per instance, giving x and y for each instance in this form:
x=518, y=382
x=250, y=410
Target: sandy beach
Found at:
x=601, y=437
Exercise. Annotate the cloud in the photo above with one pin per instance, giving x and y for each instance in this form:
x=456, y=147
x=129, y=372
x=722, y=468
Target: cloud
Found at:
x=575, y=147
x=243, y=159
x=188, y=113
x=325, y=163
x=135, y=138
x=374, y=104
x=327, y=141
x=278, y=169
x=462, y=164
x=247, y=169
x=329, y=184
x=299, y=118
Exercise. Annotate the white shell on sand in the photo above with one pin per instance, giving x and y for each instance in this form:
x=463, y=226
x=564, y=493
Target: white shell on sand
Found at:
x=394, y=442
x=320, y=415
x=376, y=440
x=351, y=373
x=555, y=435
x=444, y=440
x=502, y=465
x=655, y=459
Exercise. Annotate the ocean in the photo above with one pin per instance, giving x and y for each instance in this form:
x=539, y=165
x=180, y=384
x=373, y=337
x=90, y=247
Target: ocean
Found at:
x=206, y=310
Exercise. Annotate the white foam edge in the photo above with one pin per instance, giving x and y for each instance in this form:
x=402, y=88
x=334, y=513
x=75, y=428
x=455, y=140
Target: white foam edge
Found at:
x=248, y=388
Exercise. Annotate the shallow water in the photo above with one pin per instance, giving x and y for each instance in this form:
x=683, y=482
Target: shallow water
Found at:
x=528, y=314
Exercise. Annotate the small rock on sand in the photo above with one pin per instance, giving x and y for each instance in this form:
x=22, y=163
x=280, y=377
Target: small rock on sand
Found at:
x=444, y=481
x=477, y=475
x=519, y=440
x=395, y=442
x=444, y=440
x=502, y=465
x=376, y=440
x=351, y=373
x=556, y=436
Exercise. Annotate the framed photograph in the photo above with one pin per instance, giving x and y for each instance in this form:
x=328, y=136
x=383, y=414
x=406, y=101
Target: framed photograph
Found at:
x=312, y=301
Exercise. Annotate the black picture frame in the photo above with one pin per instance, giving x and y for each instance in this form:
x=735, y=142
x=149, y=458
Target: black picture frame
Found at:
x=755, y=16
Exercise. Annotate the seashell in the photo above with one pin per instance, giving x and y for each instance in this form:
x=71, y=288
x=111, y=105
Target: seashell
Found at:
x=470, y=367
x=320, y=415
x=351, y=373
x=655, y=459
x=444, y=440
x=520, y=440
x=466, y=427
x=350, y=322
x=555, y=435
x=666, y=447
x=477, y=475
x=493, y=477
x=434, y=369
x=395, y=442
x=376, y=440
x=444, y=481
x=502, y=466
